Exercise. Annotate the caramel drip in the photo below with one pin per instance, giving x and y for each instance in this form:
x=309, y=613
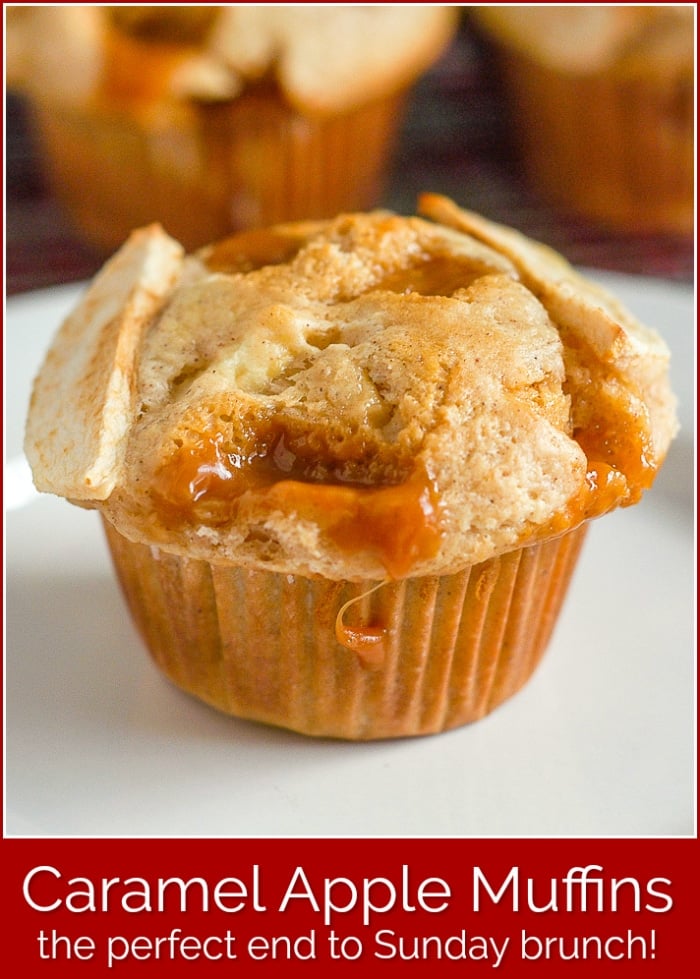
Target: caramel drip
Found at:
x=399, y=524
x=398, y=521
x=625, y=448
x=368, y=641
x=620, y=466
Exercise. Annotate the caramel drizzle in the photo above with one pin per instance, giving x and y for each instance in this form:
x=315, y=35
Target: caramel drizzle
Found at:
x=368, y=641
x=400, y=522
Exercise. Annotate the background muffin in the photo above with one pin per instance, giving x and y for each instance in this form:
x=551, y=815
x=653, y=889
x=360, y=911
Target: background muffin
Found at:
x=211, y=119
x=346, y=466
x=601, y=99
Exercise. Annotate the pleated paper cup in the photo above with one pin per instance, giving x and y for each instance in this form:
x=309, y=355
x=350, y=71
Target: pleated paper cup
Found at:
x=616, y=148
x=206, y=170
x=263, y=646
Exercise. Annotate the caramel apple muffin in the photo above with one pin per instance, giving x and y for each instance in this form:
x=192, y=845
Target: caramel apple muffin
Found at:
x=346, y=466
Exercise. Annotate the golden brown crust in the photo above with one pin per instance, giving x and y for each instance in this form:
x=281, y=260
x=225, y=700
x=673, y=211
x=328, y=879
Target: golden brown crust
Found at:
x=381, y=396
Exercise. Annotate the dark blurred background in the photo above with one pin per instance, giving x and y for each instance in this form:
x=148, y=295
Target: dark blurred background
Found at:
x=456, y=140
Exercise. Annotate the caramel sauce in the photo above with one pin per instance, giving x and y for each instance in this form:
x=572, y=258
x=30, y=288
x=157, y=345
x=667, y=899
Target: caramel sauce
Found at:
x=399, y=522
x=625, y=448
x=367, y=641
x=251, y=250
x=600, y=492
x=359, y=504
x=435, y=275
x=620, y=466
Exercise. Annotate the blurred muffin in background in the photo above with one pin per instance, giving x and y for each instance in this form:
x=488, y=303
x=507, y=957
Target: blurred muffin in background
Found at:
x=602, y=102
x=212, y=119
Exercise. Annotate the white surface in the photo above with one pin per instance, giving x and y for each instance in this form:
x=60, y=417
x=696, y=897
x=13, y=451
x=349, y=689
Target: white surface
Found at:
x=599, y=743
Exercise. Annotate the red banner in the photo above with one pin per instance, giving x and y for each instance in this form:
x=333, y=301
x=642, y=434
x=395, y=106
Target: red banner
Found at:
x=254, y=906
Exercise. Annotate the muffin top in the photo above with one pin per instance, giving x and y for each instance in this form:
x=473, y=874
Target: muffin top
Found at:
x=368, y=397
x=593, y=37
x=324, y=59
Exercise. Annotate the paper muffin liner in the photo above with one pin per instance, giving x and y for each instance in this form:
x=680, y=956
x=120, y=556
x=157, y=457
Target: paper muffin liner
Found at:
x=262, y=645
x=205, y=171
x=618, y=148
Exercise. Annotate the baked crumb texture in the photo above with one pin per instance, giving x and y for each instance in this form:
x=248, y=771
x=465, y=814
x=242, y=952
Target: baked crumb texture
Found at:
x=364, y=398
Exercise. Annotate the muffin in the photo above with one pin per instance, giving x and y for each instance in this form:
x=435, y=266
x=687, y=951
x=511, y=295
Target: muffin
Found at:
x=601, y=99
x=213, y=119
x=345, y=467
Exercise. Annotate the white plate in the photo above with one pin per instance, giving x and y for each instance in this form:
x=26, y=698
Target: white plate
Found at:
x=599, y=743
